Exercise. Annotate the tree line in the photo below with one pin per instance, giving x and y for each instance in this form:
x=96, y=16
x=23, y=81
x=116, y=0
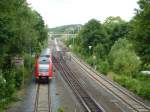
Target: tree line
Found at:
x=22, y=34
x=118, y=48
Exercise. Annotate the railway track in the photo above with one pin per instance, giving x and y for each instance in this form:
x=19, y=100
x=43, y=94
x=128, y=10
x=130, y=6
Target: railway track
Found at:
x=132, y=103
x=86, y=100
x=42, y=100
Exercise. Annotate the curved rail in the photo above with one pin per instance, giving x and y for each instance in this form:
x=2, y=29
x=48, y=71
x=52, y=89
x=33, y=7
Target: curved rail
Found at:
x=87, y=101
x=124, y=96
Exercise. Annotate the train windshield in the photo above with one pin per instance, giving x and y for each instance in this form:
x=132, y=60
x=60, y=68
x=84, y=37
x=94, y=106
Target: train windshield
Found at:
x=44, y=68
x=44, y=60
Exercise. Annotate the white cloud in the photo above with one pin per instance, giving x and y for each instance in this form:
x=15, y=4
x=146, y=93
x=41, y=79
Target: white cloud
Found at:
x=61, y=12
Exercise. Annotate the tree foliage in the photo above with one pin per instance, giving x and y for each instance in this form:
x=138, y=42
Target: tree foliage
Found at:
x=22, y=31
x=101, y=36
x=140, y=34
x=91, y=34
x=123, y=59
x=116, y=28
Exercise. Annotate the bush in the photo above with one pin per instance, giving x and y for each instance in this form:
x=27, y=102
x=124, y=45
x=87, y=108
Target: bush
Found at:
x=60, y=109
x=89, y=60
x=28, y=61
x=103, y=67
x=68, y=41
x=141, y=88
x=144, y=92
x=100, y=51
x=19, y=77
x=76, y=49
x=2, y=87
x=10, y=83
x=123, y=59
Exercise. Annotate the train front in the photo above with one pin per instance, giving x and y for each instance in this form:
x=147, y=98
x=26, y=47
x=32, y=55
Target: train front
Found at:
x=44, y=69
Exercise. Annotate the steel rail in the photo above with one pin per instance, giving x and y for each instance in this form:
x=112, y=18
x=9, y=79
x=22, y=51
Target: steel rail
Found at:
x=46, y=107
x=87, y=101
x=36, y=98
x=133, y=103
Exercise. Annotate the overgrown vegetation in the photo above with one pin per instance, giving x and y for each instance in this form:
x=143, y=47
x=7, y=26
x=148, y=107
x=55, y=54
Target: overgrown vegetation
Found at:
x=22, y=34
x=120, y=47
x=60, y=109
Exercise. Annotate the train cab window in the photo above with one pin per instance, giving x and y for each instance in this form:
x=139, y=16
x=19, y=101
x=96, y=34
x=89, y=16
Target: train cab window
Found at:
x=44, y=60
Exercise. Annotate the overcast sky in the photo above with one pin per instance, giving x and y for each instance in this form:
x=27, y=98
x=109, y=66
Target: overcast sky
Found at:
x=64, y=12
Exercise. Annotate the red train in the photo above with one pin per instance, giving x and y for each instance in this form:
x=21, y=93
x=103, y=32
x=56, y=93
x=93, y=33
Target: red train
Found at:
x=44, y=66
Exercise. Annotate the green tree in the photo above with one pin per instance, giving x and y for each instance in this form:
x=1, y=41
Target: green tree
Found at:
x=91, y=34
x=141, y=31
x=99, y=50
x=116, y=28
x=123, y=59
x=22, y=31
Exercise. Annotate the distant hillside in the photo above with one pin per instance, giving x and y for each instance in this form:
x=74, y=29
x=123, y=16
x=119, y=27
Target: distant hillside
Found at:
x=66, y=29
